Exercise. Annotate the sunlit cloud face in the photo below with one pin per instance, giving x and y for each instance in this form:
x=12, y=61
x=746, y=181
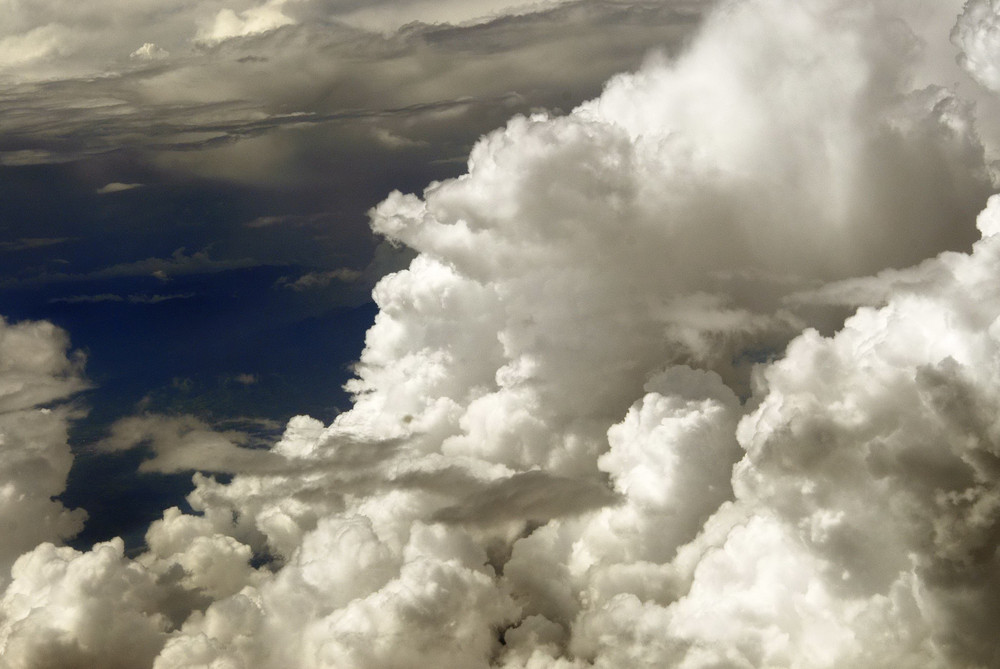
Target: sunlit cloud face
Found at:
x=36, y=371
x=611, y=413
x=977, y=34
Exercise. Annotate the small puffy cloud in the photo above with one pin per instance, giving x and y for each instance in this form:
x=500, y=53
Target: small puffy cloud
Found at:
x=227, y=23
x=210, y=562
x=988, y=220
x=149, y=51
x=674, y=450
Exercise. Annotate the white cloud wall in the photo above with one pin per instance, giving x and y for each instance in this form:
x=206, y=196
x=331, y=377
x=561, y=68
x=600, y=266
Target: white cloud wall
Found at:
x=549, y=462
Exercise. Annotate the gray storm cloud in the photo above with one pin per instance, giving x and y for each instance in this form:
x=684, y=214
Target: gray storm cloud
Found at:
x=607, y=417
x=280, y=93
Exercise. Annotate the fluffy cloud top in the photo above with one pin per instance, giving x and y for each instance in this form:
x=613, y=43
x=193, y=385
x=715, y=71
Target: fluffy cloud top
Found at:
x=977, y=34
x=36, y=373
x=558, y=455
x=720, y=182
x=228, y=23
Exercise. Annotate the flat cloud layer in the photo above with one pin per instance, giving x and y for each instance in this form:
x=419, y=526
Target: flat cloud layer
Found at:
x=51, y=37
x=197, y=75
x=558, y=455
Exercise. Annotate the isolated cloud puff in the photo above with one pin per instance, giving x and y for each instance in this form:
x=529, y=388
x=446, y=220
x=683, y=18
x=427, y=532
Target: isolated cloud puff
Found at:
x=149, y=51
x=258, y=19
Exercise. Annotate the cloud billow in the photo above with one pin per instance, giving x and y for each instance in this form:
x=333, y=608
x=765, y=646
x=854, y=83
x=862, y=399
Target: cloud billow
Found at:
x=557, y=456
x=37, y=375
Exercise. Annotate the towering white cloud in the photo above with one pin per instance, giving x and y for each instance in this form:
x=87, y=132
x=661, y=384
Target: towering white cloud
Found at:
x=977, y=34
x=558, y=455
x=659, y=224
x=36, y=373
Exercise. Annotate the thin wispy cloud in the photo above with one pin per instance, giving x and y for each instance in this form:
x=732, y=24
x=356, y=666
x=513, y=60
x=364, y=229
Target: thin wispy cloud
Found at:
x=32, y=243
x=116, y=187
x=136, y=298
x=179, y=263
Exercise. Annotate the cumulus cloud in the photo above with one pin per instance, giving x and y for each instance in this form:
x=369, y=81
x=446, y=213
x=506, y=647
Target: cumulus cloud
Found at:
x=871, y=450
x=719, y=181
x=977, y=34
x=70, y=609
x=181, y=443
x=36, y=367
x=227, y=23
x=560, y=453
x=37, y=373
x=149, y=51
